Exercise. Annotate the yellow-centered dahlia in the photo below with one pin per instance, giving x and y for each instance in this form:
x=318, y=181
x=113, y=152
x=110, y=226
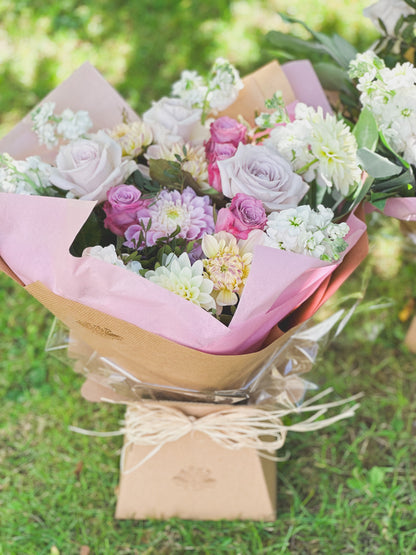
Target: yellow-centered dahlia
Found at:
x=132, y=137
x=227, y=265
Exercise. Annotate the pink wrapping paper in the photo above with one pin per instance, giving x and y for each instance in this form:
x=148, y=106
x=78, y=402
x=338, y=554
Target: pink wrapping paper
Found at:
x=278, y=282
x=36, y=233
x=401, y=208
x=306, y=85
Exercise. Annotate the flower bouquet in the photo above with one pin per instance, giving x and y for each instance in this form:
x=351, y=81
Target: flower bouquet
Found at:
x=181, y=249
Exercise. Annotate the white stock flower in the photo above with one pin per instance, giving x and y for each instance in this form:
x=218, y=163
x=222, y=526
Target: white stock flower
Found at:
x=305, y=231
x=50, y=127
x=292, y=142
x=74, y=125
x=24, y=177
x=224, y=85
x=191, y=88
x=184, y=279
x=390, y=94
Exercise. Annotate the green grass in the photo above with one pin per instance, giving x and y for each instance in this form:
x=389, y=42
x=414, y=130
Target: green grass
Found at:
x=347, y=489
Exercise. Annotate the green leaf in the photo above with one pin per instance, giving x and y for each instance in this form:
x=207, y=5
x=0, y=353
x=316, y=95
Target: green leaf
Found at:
x=337, y=47
x=166, y=173
x=297, y=47
x=392, y=151
x=88, y=236
x=376, y=165
x=366, y=130
x=333, y=78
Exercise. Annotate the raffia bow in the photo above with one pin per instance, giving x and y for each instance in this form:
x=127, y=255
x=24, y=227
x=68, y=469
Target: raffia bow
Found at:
x=153, y=423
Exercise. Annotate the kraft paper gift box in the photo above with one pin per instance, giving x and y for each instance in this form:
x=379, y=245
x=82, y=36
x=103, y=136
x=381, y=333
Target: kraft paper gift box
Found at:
x=192, y=477
x=154, y=359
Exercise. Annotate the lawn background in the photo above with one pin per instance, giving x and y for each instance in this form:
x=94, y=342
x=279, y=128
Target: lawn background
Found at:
x=347, y=489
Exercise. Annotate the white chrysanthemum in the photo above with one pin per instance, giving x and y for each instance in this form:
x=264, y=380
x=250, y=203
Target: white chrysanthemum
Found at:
x=292, y=142
x=305, y=231
x=185, y=280
x=335, y=148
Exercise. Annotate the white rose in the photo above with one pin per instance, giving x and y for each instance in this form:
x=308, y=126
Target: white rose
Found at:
x=89, y=167
x=389, y=11
x=263, y=174
x=172, y=121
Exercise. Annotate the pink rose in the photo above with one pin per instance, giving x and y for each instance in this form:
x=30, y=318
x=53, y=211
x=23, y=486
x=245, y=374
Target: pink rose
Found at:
x=124, y=207
x=244, y=214
x=219, y=151
x=228, y=130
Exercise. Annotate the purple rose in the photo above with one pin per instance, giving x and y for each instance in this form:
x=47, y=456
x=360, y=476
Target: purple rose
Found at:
x=244, y=214
x=261, y=173
x=124, y=207
x=228, y=130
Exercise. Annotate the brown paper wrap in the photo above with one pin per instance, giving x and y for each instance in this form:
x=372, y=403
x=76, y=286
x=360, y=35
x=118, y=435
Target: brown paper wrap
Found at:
x=258, y=87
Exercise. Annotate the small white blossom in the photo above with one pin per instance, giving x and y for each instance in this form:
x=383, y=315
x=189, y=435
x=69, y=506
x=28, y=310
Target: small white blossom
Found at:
x=25, y=177
x=305, y=231
x=50, y=127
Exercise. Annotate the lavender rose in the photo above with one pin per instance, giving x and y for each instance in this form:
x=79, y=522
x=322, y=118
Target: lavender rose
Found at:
x=172, y=121
x=261, y=173
x=124, y=207
x=244, y=214
x=89, y=167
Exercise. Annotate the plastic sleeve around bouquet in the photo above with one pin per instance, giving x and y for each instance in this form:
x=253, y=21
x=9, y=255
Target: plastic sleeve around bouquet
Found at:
x=275, y=380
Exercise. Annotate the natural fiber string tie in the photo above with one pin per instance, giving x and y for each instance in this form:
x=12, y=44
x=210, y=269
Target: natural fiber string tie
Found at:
x=150, y=423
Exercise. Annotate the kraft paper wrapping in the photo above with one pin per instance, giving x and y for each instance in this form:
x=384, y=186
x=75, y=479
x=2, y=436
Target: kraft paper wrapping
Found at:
x=150, y=357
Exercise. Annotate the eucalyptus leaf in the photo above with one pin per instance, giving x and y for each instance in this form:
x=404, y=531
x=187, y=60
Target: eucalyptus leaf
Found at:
x=366, y=130
x=377, y=166
x=333, y=78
